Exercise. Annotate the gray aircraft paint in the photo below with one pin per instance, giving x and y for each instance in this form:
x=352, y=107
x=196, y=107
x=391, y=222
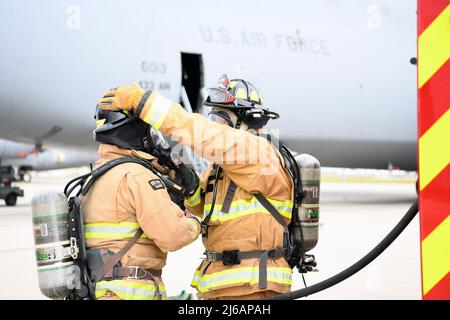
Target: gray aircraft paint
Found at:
x=53, y=158
x=24, y=156
x=337, y=71
x=13, y=150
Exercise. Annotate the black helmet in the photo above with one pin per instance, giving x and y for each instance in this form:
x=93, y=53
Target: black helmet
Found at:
x=117, y=128
x=241, y=97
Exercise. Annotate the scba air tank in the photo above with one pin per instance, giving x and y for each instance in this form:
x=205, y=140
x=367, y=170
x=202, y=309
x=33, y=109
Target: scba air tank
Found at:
x=309, y=209
x=52, y=243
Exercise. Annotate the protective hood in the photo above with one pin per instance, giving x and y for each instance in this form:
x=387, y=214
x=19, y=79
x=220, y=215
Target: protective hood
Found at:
x=129, y=134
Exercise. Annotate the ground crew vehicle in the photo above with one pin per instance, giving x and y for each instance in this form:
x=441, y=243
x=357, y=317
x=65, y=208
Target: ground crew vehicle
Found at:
x=9, y=193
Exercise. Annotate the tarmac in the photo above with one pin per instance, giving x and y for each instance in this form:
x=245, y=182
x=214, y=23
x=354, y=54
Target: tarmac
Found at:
x=354, y=217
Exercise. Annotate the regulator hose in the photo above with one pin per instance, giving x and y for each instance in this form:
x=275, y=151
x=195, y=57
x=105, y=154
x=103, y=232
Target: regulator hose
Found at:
x=356, y=267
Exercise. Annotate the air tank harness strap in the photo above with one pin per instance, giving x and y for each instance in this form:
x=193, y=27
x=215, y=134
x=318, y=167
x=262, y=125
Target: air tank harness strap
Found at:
x=226, y=203
x=118, y=272
x=229, y=197
x=232, y=257
x=100, y=274
x=204, y=224
x=272, y=210
x=97, y=173
x=135, y=272
x=99, y=257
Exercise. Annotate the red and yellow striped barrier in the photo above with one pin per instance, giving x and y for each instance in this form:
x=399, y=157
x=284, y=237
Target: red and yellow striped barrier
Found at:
x=434, y=145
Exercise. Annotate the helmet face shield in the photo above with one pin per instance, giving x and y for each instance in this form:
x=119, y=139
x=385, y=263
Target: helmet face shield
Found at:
x=107, y=120
x=218, y=95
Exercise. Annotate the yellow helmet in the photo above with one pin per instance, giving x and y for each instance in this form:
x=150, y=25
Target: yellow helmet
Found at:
x=241, y=97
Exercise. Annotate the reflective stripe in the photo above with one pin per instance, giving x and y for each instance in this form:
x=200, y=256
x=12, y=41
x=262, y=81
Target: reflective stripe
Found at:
x=158, y=111
x=240, y=208
x=100, y=122
x=434, y=152
x=254, y=95
x=436, y=255
x=108, y=230
x=195, y=199
x=241, y=94
x=232, y=84
x=434, y=149
x=207, y=282
x=434, y=47
x=130, y=290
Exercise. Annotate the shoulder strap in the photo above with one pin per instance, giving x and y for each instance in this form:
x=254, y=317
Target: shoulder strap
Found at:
x=229, y=197
x=269, y=207
x=213, y=201
x=97, y=173
x=274, y=141
x=289, y=164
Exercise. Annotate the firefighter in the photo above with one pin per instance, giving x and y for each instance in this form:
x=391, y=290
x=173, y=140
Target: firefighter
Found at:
x=124, y=199
x=244, y=257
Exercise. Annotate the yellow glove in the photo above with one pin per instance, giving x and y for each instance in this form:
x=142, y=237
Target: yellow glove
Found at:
x=122, y=98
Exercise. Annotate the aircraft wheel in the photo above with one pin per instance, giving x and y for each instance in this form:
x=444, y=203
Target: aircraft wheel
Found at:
x=11, y=200
x=26, y=177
